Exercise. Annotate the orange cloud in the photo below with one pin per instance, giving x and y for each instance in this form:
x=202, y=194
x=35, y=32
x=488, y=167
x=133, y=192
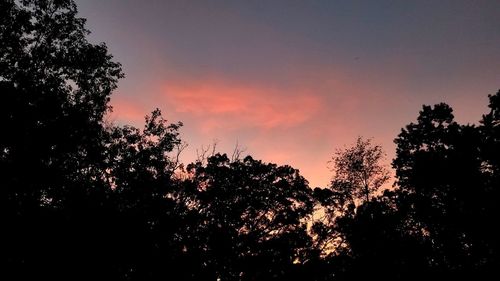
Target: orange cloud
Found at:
x=298, y=121
x=231, y=106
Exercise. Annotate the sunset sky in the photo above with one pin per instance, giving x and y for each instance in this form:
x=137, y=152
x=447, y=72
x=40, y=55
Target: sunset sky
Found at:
x=293, y=80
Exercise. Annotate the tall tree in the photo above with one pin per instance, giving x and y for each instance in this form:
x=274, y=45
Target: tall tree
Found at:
x=490, y=169
x=149, y=219
x=55, y=89
x=380, y=244
x=360, y=168
x=252, y=218
x=359, y=173
x=444, y=189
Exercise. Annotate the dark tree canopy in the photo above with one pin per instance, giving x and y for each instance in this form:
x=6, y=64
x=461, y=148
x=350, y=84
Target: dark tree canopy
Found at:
x=359, y=174
x=252, y=217
x=446, y=191
x=81, y=198
x=439, y=221
x=56, y=87
x=360, y=169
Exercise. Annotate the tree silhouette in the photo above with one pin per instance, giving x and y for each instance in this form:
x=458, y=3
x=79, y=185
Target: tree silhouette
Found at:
x=55, y=87
x=150, y=215
x=486, y=233
x=381, y=245
x=252, y=218
x=85, y=199
x=358, y=174
x=444, y=190
x=360, y=169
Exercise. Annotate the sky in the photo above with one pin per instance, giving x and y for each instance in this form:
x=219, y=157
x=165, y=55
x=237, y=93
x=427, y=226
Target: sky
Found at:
x=292, y=81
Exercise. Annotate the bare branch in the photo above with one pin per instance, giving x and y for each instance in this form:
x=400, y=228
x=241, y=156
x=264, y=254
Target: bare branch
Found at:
x=237, y=152
x=205, y=152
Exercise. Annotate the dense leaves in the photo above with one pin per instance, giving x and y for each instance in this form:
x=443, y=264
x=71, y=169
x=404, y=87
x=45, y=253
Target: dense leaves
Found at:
x=444, y=189
x=55, y=88
x=360, y=169
x=251, y=217
x=359, y=174
x=81, y=198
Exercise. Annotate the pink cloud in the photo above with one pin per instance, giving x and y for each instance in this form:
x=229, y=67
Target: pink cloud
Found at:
x=299, y=123
x=235, y=106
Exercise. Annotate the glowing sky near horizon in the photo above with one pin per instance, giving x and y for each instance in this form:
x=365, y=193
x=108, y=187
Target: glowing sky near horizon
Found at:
x=293, y=80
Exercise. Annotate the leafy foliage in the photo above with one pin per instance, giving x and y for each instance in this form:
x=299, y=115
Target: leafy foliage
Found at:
x=445, y=192
x=251, y=217
x=358, y=174
x=360, y=169
x=84, y=199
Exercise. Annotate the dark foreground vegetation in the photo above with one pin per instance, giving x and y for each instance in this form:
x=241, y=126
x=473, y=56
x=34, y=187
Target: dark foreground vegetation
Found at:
x=84, y=199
